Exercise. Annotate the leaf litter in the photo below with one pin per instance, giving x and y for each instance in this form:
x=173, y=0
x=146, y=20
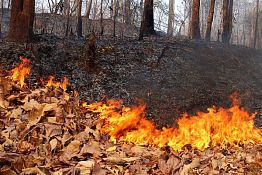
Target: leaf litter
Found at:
x=47, y=131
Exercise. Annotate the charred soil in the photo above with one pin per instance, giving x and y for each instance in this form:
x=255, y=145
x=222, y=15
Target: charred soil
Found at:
x=170, y=76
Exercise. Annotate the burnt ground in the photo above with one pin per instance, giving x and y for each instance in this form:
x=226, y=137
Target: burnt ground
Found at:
x=191, y=75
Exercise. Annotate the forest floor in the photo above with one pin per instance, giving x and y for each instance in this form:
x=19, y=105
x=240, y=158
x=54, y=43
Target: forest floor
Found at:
x=47, y=131
x=191, y=75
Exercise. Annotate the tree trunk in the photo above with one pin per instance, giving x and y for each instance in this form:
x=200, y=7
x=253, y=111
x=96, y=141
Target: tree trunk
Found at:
x=115, y=11
x=189, y=17
x=256, y=25
x=111, y=9
x=195, y=33
x=101, y=18
x=22, y=20
x=210, y=20
x=67, y=13
x=127, y=12
x=147, y=23
x=79, y=19
x=88, y=8
x=171, y=18
x=1, y=17
x=227, y=20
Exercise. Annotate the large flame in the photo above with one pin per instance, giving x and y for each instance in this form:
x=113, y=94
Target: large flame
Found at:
x=225, y=127
x=19, y=73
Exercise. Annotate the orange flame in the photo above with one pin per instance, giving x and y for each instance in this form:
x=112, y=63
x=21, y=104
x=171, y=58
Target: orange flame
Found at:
x=52, y=83
x=19, y=73
x=224, y=127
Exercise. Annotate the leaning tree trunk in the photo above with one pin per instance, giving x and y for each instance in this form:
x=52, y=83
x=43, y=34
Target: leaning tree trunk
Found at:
x=79, y=19
x=195, y=33
x=171, y=18
x=210, y=20
x=256, y=25
x=22, y=20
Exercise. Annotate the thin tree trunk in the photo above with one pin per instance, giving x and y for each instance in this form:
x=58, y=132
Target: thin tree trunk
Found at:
x=115, y=11
x=112, y=9
x=127, y=12
x=195, y=20
x=171, y=18
x=189, y=17
x=256, y=25
x=22, y=20
x=9, y=4
x=88, y=8
x=101, y=18
x=79, y=18
x=68, y=17
x=94, y=9
x=1, y=17
x=210, y=20
x=230, y=18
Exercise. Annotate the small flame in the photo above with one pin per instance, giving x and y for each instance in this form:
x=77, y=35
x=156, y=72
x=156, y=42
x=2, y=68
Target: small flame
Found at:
x=19, y=73
x=224, y=127
x=52, y=83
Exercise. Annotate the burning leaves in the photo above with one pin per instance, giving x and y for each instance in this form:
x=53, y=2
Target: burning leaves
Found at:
x=19, y=73
x=225, y=127
x=42, y=132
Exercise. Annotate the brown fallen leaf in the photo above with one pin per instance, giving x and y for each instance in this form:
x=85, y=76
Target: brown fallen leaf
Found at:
x=25, y=147
x=7, y=170
x=194, y=164
x=91, y=148
x=119, y=160
x=53, y=130
x=34, y=170
x=70, y=151
x=53, y=143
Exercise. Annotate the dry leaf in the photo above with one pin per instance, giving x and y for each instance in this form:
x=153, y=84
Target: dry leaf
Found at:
x=53, y=143
x=34, y=170
x=194, y=164
x=91, y=148
x=119, y=160
x=111, y=149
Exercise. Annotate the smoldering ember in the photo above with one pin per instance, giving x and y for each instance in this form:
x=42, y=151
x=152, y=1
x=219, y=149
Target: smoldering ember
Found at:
x=130, y=87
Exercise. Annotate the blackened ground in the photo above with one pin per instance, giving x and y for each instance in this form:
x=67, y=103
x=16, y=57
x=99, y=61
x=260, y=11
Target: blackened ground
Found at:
x=191, y=75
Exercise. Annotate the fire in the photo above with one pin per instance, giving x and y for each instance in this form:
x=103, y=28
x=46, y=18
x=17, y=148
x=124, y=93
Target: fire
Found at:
x=19, y=73
x=225, y=127
x=52, y=83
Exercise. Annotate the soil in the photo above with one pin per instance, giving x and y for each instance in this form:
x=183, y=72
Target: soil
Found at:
x=171, y=76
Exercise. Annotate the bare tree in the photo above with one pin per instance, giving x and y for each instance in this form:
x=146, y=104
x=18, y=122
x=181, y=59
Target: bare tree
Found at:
x=22, y=20
x=210, y=19
x=195, y=29
x=79, y=18
x=171, y=18
x=256, y=24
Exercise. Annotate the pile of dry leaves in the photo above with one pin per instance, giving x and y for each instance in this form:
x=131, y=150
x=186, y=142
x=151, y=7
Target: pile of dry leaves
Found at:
x=47, y=131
